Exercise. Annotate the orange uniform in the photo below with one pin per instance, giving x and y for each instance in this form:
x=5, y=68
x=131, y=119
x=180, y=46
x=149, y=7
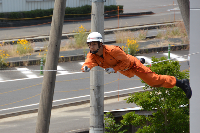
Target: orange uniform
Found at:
x=128, y=65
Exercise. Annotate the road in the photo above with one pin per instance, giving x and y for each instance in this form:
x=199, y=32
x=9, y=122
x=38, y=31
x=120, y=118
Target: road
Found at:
x=23, y=94
x=21, y=89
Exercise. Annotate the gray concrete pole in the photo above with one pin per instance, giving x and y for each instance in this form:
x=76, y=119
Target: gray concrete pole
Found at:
x=46, y=98
x=184, y=6
x=97, y=74
x=194, y=65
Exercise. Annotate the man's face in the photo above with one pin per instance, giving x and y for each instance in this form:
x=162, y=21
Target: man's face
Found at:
x=93, y=46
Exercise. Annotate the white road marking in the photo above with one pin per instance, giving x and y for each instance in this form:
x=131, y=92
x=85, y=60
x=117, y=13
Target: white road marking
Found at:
x=62, y=72
x=172, y=56
x=29, y=74
x=37, y=77
x=81, y=63
x=147, y=60
x=71, y=98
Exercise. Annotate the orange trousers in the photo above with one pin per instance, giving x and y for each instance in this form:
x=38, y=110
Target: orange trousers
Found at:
x=151, y=78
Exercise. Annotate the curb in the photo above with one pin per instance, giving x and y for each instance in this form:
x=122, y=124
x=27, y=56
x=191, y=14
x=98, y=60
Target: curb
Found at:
x=63, y=105
x=82, y=57
x=162, y=49
x=37, y=61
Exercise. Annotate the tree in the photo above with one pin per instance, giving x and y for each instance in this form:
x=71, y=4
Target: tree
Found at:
x=172, y=106
x=185, y=12
x=170, y=116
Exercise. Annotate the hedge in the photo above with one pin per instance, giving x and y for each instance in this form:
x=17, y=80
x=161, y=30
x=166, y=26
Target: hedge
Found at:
x=86, y=10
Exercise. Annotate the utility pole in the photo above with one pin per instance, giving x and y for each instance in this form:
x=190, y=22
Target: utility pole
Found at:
x=194, y=65
x=97, y=74
x=46, y=98
x=184, y=6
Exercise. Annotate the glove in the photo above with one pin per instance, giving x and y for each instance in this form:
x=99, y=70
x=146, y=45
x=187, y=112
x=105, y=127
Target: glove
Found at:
x=86, y=69
x=110, y=70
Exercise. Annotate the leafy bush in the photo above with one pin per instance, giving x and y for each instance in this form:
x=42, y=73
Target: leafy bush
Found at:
x=131, y=45
x=23, y=47
x=111, y=126
x=81, y=37
x=85, y=10
x=112, y=9
x=3, y=57
x=172, y=115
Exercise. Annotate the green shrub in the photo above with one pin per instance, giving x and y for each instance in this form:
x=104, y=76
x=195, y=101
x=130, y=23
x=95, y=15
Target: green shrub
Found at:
x=86, y=10
x=81, y=37
x=169, y=116
x=112, y=9
x=23, y=47
x=3, y=57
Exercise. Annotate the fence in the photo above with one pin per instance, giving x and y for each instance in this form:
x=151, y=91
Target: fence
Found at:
x=28, y=5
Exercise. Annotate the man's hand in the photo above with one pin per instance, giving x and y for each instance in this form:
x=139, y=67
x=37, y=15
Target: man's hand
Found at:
x=86, y=69
x=110, y=70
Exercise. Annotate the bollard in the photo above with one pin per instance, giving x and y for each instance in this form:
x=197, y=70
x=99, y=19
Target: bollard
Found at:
x=129, y=51
x=41, y=66
x=169, y=51
x=85, y=55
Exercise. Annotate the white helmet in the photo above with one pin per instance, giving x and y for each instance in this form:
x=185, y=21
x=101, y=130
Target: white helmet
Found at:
x=94, y=36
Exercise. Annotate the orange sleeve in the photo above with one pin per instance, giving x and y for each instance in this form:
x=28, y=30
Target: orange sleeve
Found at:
x=123, y=61
x=90, y=61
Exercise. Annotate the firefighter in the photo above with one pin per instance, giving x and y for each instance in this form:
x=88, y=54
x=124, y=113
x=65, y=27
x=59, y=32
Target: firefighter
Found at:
x=113, y=58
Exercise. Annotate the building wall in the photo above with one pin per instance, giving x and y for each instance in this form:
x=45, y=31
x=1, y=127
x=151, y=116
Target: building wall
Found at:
x=28, y=5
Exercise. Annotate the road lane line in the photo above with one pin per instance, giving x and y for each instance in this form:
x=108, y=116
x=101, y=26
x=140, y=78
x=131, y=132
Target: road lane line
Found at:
x=37, y=77
x=175, y=56
x=81, y=63
x=70, y=98
x=29, y=74
x=62, y=72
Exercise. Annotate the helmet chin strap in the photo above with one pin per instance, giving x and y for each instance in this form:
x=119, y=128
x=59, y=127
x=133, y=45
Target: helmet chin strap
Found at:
x=94, y=52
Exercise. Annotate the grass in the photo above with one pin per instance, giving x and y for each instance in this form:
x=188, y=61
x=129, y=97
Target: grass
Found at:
x=122, y=36
x=165, y=32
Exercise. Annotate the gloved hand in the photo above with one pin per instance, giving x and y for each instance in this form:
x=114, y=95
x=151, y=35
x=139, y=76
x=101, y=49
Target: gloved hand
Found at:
x=86, y=69
x=142, y=60
x=110, y=70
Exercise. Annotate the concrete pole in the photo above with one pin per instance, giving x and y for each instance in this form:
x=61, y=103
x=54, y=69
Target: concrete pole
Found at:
x=184, y=6
x=97, y=74
x=194, y=65
x=46, y=98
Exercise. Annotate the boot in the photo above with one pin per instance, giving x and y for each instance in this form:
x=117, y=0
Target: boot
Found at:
x=185, y=86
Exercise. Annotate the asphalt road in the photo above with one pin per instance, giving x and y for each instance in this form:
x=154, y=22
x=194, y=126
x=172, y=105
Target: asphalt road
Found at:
x=21, y=90
x=23, y=94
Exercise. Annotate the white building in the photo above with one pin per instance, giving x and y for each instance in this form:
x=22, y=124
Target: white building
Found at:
x=28, y=5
